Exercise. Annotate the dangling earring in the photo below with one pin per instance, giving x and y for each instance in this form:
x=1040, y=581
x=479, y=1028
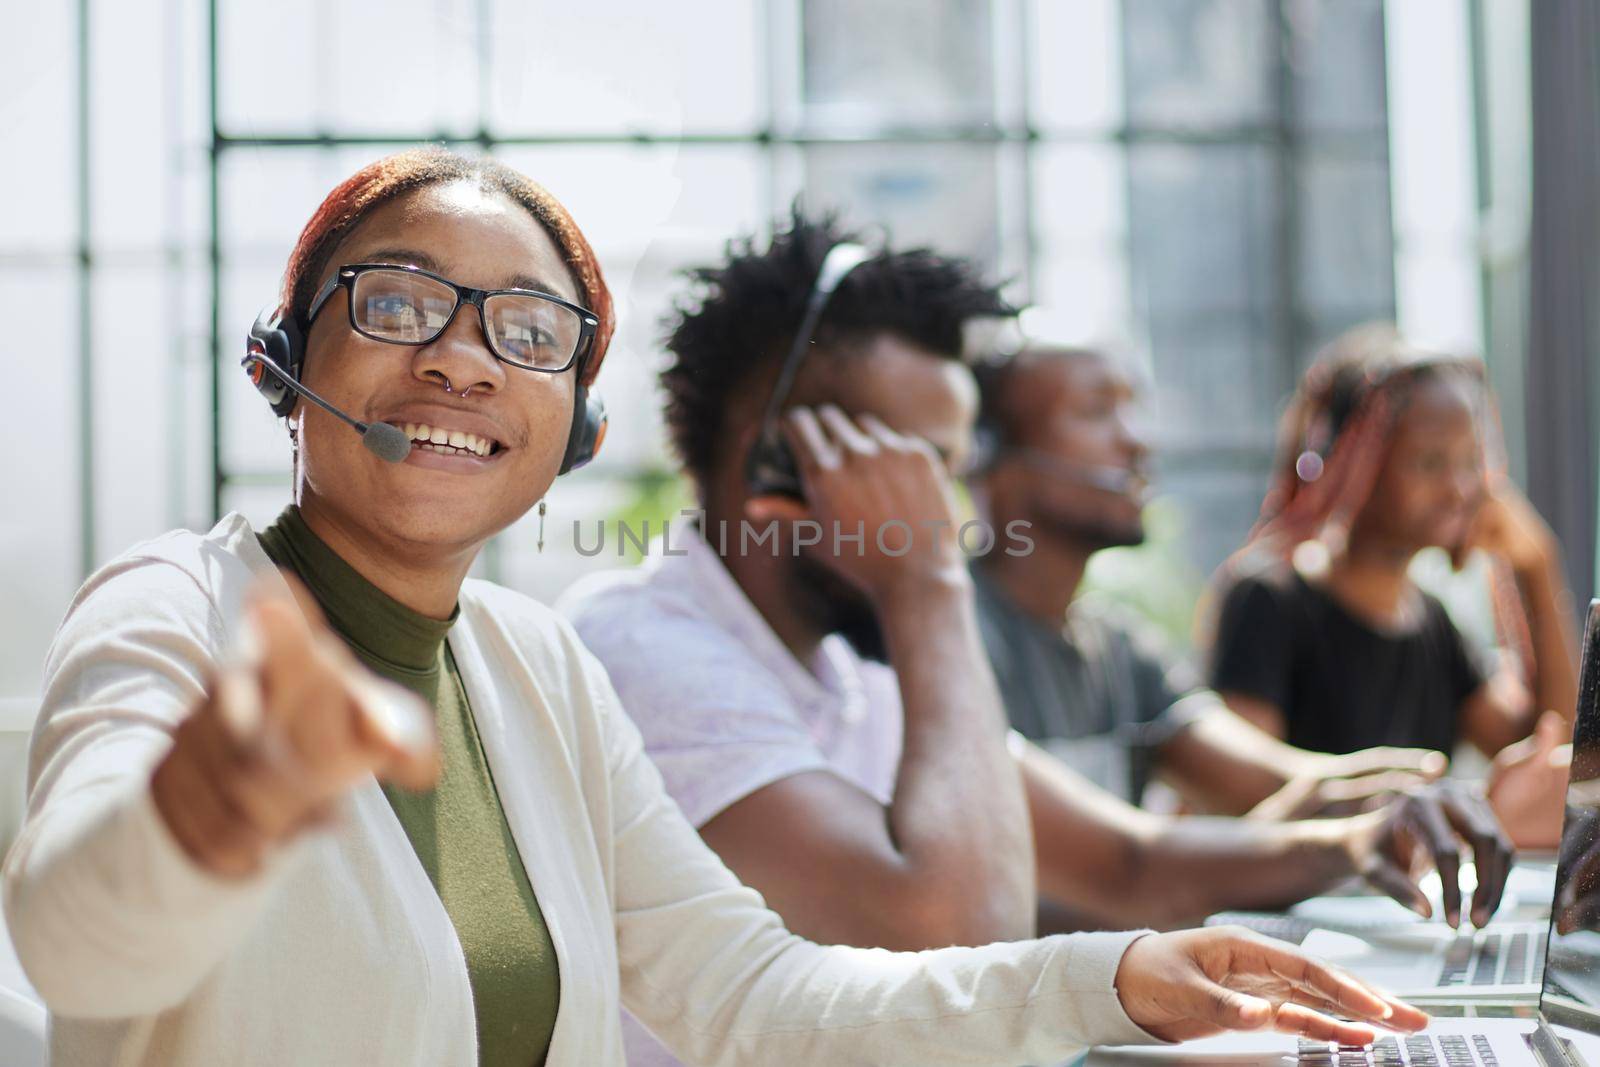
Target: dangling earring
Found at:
x=541, y=526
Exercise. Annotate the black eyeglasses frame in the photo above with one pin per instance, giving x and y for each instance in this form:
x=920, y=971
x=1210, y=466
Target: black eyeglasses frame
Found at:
x=347, y=274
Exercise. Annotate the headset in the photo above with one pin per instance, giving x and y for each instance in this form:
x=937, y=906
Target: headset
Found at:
x=770, y=468
x=275, y=356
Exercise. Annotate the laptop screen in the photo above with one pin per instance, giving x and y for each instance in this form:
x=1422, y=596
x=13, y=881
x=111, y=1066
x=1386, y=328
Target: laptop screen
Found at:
x=1571, y=993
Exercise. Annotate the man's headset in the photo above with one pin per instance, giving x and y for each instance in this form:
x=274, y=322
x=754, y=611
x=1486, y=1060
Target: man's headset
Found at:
x=275, y=355
x=770, y=467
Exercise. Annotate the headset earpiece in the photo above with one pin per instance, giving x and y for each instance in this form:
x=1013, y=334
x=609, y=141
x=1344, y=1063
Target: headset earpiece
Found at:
x=987, y=442
x=988, y=435
x=277, y=339
x=588, y=430
x=771, y=470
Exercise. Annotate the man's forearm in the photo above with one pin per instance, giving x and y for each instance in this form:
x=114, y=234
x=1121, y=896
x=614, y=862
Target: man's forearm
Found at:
x=1201, y=866
x=958, y=815
x=1223, y=764
x=1104, y=859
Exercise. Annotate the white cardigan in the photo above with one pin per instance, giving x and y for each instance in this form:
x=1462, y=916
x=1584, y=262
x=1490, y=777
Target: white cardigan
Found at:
x=340, y=951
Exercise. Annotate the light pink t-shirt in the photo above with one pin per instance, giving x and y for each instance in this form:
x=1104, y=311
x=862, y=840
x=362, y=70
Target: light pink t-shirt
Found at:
x=723, y=705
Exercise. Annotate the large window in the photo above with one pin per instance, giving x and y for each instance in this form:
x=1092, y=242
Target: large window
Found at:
x=1213, y=179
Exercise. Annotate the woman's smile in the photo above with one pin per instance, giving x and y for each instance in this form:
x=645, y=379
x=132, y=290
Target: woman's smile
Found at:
x=445, y=439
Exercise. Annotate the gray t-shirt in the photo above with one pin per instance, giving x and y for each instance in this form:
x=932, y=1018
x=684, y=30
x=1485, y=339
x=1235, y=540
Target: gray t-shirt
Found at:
x=1101, y=692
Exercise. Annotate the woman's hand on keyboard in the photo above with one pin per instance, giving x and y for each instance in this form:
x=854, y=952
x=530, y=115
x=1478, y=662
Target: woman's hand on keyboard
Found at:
x=1194, y=983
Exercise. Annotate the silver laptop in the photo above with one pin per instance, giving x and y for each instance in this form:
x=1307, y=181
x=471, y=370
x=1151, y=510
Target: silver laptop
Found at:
x=1430, y=961
x=1391, y=947
x=1562, y=1030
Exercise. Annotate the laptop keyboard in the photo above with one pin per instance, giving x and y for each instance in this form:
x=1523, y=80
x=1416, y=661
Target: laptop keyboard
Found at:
x=1417, y=1050
x=1470, y=961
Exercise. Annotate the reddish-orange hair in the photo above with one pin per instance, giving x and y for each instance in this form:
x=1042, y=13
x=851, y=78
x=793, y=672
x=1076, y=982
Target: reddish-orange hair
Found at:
x=385, y=179
x=1335, y=434
x=1333, y=440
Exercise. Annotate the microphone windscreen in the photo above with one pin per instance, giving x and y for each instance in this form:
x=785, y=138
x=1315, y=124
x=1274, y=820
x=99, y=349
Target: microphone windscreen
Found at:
x=387, y=442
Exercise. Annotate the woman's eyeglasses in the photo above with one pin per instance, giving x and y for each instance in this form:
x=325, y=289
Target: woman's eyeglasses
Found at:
x=411, y=306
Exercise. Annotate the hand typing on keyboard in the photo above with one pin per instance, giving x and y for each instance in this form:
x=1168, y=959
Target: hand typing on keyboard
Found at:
x=1430, y=823
x=1195, y=983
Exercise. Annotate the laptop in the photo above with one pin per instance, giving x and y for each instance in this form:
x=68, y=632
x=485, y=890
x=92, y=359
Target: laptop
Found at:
x=1561, y=1030
x=1428, y=961
x=1393, y=947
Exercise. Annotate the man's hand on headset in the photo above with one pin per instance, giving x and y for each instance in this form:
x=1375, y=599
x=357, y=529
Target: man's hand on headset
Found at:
x=886, y=496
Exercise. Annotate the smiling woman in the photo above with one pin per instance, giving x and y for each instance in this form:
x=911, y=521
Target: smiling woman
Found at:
x=309, y=794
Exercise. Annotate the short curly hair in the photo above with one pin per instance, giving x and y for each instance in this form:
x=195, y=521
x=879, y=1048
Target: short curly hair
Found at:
x=741, y=316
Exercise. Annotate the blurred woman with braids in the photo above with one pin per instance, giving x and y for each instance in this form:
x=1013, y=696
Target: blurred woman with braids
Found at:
x=1321, y=637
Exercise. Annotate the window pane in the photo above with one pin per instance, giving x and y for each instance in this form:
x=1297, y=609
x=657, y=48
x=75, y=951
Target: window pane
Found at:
x=1337, y=64
x=1439, y=291
x=1346, y=257
x=891, y=63
x=1199, y=63
x=1218, y=379
x=1435, y=191
x=1202, y=227
x=45, y=531
x=137, y=410
x=1440, y=296
x=615, y=66
x=404, y=67
x=289, y=99
x=133, y=146
x=268, y=194
x=940, y=195
x=1080, y=237
x=1075, y=64
x=1204, y=274
x=191, y=497
x=38, y=102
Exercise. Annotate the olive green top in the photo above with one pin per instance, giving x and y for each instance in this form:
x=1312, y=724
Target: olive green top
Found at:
x=458, y=828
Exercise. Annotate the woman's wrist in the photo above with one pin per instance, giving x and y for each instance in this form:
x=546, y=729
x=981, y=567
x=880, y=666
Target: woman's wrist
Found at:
x=1540, y=563
x=1542, y=585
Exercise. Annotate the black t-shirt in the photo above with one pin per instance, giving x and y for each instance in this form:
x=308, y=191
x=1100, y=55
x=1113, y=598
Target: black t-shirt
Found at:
x=1101, y=691
x=1341, y=684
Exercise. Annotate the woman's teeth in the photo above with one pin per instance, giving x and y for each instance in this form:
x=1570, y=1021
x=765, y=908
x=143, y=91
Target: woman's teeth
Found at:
x=447, y=442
